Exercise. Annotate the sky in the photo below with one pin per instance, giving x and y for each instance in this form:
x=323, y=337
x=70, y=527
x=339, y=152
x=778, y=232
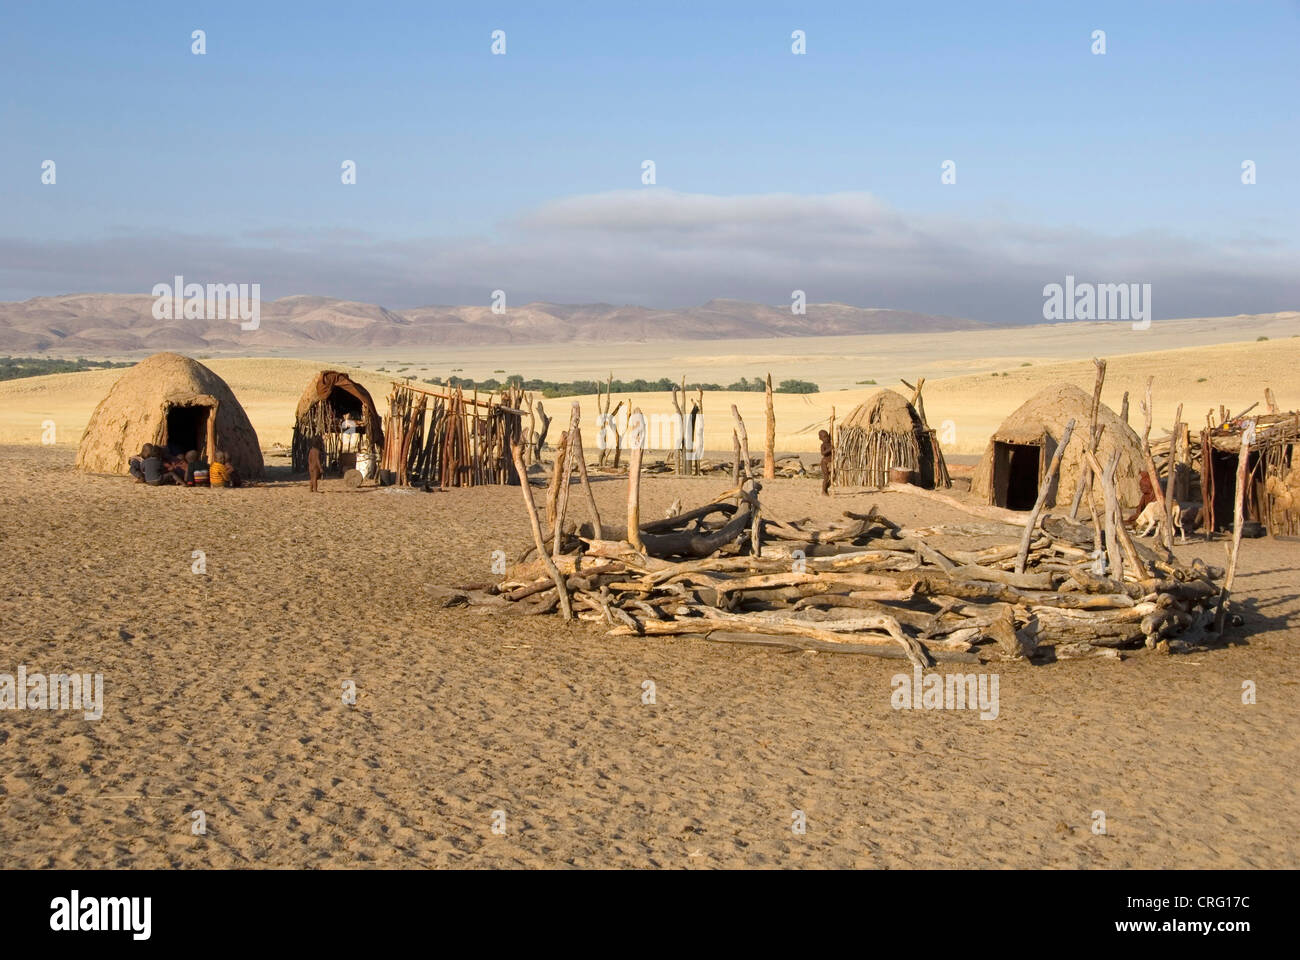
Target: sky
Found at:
x=774, y=171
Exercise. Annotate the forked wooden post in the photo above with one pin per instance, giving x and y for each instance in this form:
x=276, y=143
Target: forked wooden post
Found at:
x=575, y=418
x=1022, y=557
x=1243, y=459
x=1094, y=436
x=560, y=586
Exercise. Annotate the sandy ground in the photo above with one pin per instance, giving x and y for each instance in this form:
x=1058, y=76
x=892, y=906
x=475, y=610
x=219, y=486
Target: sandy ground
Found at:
x=963, y=398
x=224, y=692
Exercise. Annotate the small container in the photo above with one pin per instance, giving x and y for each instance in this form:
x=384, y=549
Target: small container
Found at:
x=901, y=475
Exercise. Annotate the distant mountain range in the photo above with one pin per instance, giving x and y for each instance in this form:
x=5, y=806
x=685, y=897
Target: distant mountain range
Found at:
x=112, y=324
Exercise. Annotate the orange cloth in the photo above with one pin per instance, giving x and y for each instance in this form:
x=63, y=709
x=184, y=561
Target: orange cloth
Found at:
x=217, y=473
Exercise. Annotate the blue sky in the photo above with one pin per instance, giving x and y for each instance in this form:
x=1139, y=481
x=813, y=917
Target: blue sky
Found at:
x=478, y=171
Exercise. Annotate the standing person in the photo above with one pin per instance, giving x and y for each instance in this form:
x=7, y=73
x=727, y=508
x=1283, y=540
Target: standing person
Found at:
x=316, y=463
x=828, y=456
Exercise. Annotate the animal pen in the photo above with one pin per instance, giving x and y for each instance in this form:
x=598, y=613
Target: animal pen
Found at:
x=331, y=397
x=1272, y=494
x=441, y=437
x=731, y=571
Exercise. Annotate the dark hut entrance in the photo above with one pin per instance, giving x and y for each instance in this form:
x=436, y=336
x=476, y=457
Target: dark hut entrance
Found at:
x=1223, y=468
x=1019, y=463
x=187, y=429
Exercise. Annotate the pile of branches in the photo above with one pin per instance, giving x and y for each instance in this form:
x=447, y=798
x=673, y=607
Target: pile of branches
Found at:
x=859, y=584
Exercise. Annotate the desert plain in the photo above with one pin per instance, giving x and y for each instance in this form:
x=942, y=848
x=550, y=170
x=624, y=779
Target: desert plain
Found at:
x=224, y=689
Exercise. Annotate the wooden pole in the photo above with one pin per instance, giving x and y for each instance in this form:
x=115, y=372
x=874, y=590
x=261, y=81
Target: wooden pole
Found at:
x=744, y=440
x=769, y=446
x=553, y=494
x=575, y=417
x=636, y=440
x=1243, y=459
x=1171, y=470
x=1150, y=462
x=1027, y=537
x=1085, y=475
x=561, y=587
x=586, y=486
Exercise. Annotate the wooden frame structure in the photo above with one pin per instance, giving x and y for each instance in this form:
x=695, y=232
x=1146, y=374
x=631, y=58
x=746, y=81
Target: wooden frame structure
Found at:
x=441, y=437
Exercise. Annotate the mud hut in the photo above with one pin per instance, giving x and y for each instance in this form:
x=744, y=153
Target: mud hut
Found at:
x=883, y=431
x=330, y=397
x=170, y=401
x=1019, y=452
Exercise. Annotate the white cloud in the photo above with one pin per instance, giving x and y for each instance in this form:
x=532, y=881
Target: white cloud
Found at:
x=660, y=247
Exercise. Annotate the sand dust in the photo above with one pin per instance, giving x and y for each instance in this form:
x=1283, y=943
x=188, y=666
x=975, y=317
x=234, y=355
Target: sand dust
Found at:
x=224, y=694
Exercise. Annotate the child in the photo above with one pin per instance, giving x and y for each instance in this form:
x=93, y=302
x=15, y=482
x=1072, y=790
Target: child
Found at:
x=151, y=466
x=316, y=463
x=217, y=472
x=173, y=468
x=828, y=455
x=135, y=466
x=196, y=470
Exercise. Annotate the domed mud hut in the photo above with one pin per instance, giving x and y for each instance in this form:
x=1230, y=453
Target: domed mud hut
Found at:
x=1020, y=451
x=331, y=397
x=173, y=402
x=883, y=431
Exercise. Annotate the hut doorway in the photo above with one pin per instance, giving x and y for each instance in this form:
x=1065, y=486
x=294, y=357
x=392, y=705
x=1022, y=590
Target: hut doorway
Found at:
x=1017, y=472
x=1223, y=467
x=187, y=428
x=341, y=402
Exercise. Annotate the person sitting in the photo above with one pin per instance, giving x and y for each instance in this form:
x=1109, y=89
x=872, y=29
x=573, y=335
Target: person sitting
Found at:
x=218, y=470
x=196, y=470
x=135, y=466
x=151, y=466
x=173, y=469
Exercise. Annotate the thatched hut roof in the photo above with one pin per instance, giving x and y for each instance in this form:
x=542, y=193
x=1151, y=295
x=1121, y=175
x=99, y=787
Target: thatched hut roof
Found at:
x=135, y=412
x=1042, y=418
x=325, y=383
x=883, y=410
